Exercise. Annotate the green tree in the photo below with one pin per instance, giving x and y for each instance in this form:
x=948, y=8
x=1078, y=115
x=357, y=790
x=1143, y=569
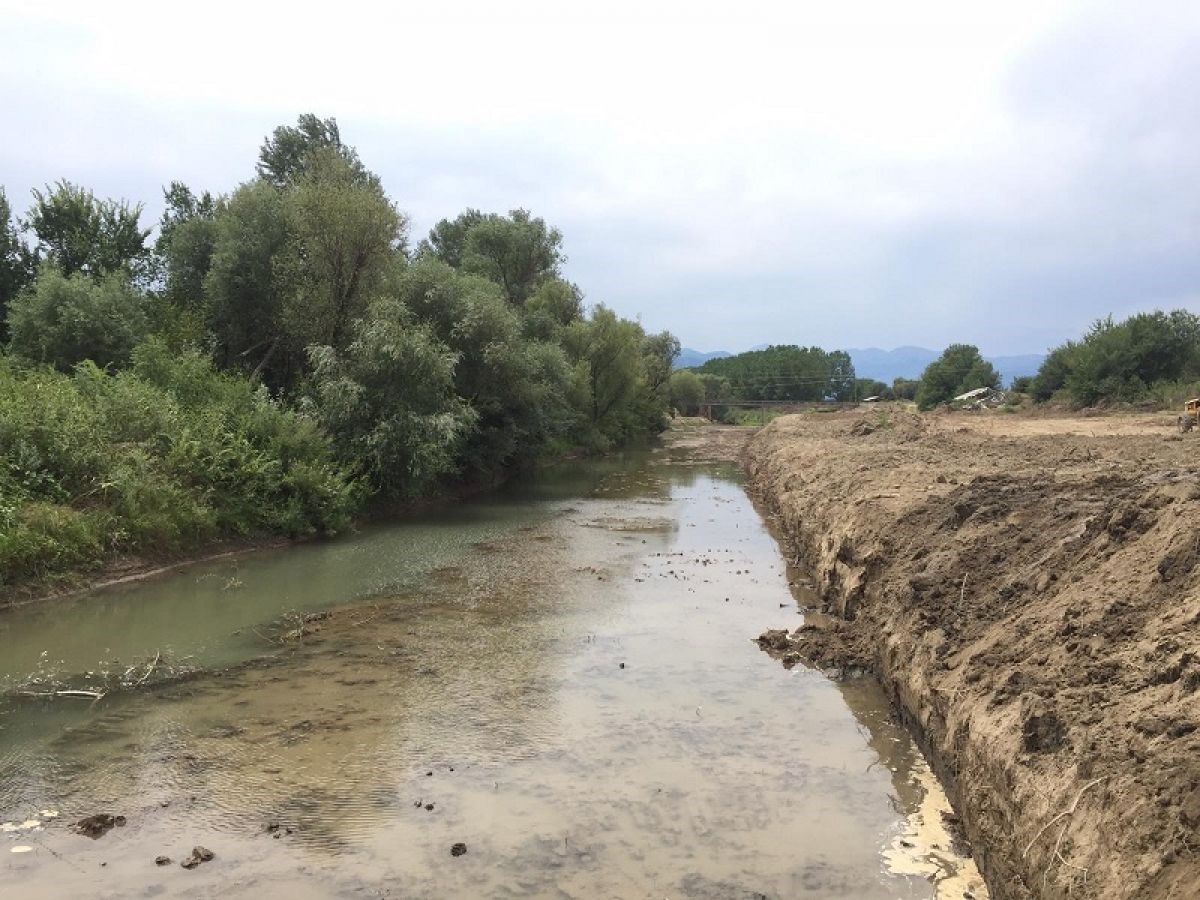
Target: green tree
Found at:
x=66, y=319
x=659, y=352
x=388, y=400
x=287, y=154
x=716, y=387
x=1121, y=361
x=447, y=239
x=959, y=369
x=78, y=233
x=515, y=383
x=342, y=233
x=905, y=388
x=786, y=372
x=17, y=262
x=553, y=306
x=1052, y=374
x=245, y=286
x=687, y=391
x=187, y=235
x=518, y=251
x=611, y=392
x=870, y=387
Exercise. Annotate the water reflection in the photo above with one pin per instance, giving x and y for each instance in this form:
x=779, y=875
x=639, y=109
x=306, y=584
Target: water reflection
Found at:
x=574, y=696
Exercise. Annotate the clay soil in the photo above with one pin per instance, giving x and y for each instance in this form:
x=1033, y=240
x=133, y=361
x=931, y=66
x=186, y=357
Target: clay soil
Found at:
x=1027, y=588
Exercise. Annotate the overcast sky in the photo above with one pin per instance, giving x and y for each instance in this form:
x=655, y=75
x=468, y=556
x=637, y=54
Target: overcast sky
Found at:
x=845, y=174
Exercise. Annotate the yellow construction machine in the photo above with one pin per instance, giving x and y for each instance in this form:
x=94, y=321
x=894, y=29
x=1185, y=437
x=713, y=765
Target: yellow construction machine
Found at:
x=1191, y=415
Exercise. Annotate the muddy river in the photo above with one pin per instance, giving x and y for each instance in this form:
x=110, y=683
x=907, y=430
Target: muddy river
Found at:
x=549, y=692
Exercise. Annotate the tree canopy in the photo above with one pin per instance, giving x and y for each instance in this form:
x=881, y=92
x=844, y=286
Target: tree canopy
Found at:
x=959, y=369
x=786, y=372
x=17, y=262
x=78, y=233
x=518, y=251
x=1120, y=361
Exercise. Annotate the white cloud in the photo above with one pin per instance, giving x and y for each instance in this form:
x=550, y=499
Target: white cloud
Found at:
x=852, y=173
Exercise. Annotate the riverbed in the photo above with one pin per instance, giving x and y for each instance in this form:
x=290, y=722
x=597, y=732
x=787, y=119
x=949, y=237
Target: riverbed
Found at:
x=549, y=692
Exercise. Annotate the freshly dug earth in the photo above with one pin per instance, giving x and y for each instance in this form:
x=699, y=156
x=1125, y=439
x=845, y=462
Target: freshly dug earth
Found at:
x=1028, y=589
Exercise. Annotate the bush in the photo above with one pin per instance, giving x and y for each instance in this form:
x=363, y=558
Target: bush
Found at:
x=66, y=319
x=389, y=402
x=687, y=391
x=959, y=369
x=152, y=459
x=1123, y=361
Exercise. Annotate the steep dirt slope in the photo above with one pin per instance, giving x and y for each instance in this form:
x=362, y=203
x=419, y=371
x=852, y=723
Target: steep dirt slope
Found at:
x=1032, y=601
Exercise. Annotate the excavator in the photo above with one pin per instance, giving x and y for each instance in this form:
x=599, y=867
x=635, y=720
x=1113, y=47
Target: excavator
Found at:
x=1191, y=415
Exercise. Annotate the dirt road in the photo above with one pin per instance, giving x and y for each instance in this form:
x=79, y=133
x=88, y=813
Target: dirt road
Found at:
x=1027, y=589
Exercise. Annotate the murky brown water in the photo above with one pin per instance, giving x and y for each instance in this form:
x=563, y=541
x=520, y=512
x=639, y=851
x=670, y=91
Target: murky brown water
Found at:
x=569, y=681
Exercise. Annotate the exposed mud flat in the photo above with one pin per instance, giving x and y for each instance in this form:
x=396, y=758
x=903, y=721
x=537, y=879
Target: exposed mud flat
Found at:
x=562, y=702
x=1027, y=590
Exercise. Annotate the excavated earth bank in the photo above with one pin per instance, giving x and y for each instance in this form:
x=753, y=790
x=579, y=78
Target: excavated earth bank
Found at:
x=1028, y=590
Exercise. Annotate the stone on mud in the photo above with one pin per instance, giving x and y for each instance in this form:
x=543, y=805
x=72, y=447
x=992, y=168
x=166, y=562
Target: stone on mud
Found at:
x=98, y=825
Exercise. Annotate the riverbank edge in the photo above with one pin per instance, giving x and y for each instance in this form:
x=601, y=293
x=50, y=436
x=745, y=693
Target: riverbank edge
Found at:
x=801, y=545
x=1027, y=597
x=909, y=689
x=133, y=568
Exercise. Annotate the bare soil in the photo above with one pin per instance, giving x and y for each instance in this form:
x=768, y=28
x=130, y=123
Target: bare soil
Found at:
x=1026, y=587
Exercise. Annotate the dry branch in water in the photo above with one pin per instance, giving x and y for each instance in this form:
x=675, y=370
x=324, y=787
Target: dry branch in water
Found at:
x=78, y=694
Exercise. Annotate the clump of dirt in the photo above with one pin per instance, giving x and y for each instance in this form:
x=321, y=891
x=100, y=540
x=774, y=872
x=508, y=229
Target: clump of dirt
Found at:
x=1030, y=594
x=98, y=825
x=198, y=855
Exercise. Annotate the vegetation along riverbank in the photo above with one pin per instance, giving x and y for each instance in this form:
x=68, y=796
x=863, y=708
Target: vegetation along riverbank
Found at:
x=1025, y=588
x=281, y=360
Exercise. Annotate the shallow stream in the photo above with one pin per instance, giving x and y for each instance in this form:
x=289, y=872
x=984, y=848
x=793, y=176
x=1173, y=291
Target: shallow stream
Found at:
x=560, y=677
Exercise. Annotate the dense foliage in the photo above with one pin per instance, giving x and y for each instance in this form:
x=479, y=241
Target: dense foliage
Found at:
x=959, y=369
x=277, y=358
x=786, y=372
x=1147, y=354
x=159, y=455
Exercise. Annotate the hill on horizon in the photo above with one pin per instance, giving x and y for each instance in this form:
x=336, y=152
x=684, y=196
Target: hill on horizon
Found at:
x=689, y=358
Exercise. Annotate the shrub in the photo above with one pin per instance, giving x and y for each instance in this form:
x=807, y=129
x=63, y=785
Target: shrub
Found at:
x=1123, y=361
x=157, y=457
x=959, y=369
x=66, y=319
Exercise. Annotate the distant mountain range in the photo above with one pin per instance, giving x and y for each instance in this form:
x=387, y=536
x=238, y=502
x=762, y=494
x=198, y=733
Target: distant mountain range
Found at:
x=886, y=365
x=910, y=362
x=688, y=357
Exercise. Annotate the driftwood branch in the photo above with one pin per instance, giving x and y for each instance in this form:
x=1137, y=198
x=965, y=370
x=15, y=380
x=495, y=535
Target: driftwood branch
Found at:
x=150, y=668
x=77, y=694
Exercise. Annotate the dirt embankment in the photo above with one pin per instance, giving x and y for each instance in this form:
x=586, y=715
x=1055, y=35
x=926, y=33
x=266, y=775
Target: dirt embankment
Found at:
x=1029, y=590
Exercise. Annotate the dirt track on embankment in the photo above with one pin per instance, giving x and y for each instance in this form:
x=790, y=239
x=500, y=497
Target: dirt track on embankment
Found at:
x=1028, y=589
